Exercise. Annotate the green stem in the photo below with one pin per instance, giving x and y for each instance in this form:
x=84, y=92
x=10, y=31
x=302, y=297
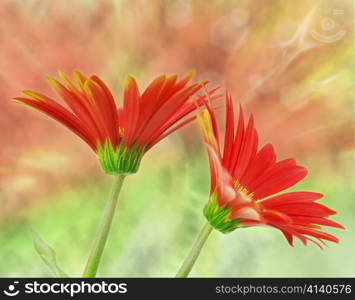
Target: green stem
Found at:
x=103, y=230
x=195, y=251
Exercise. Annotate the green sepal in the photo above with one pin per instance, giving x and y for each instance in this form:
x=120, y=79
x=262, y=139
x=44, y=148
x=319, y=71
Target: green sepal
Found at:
x=219, y=216
x=47, y=255
x=124, y=161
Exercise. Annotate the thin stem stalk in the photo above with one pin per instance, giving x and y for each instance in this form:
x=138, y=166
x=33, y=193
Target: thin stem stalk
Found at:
x=103, y=230
x=194, y=251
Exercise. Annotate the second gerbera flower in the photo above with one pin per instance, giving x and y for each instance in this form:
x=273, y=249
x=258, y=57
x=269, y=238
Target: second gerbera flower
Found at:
x=243, y=177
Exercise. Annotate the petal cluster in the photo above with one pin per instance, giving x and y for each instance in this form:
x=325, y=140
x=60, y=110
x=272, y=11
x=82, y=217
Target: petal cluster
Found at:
x=245, y=179
x=120, y=136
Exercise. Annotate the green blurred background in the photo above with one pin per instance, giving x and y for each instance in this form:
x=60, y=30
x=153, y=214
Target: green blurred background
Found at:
x=289, y=63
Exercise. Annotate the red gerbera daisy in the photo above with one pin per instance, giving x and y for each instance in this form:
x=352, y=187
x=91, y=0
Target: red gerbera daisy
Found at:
x=121, y=136
x=243, y=178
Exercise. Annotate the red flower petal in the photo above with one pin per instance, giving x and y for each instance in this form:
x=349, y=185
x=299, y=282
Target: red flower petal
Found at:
x=292, y=197
x=305, y=209
x=149, y=102
x=63, y=116
x=237, y=144
x=278, y=177
x=229, y=136
x=165, y=112
x=262, y=161
x=101, y=107
x=180, y=118
x=130, y=110
x=79, y=105
x=303, y=220
x=248, y=149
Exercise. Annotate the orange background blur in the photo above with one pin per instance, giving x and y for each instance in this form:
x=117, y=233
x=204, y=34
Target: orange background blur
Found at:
x=288, y=62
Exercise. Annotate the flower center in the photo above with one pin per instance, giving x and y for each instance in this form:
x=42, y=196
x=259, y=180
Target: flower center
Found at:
x=243, y=205
x=239, y=188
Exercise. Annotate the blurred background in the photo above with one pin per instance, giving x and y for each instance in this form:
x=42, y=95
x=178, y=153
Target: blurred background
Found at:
x=289, y=62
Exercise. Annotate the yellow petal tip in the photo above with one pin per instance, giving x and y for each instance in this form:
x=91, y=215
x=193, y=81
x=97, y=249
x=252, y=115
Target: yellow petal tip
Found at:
x=53, y=82
x=128, y=81
x=191, y=73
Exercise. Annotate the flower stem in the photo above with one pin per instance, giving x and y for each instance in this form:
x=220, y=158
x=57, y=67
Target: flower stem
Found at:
x=103, y=230
x=195, y=251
